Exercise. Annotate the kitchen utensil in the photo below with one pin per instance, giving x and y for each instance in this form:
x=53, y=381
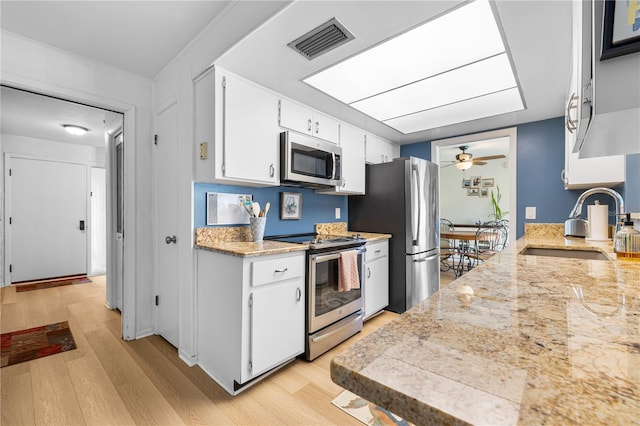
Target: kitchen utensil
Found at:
x=266, y=208
x=256, y=209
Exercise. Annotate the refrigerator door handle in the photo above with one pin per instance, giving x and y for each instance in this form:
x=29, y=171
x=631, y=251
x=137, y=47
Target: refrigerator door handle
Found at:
x=416, y=205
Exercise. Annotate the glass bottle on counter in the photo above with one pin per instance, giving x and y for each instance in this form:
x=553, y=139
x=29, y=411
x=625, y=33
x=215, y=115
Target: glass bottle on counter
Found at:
x=627, y=241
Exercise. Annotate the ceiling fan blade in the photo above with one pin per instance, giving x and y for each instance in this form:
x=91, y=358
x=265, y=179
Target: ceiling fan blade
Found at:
x=479, y=163
x=489, y=157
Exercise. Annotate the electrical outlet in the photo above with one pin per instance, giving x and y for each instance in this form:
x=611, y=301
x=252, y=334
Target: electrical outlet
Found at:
x=530, y=213
x=337, y=212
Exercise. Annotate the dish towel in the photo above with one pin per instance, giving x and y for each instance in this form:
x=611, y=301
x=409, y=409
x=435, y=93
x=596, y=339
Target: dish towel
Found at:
x=348, y=278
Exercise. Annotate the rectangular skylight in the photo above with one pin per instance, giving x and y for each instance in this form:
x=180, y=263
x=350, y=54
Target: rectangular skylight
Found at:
x=455, y=57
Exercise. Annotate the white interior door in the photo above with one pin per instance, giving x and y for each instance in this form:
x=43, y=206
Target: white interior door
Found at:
x=47, y=219
x=167, y=220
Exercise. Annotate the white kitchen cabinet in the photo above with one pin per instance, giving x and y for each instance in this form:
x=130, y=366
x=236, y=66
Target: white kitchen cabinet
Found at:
x=378, y=150
x=251, y=315
x=582, y=173
x=610, y=89
x=353, y=162
x=376, y=285
x=298, y=117
x=237, y=120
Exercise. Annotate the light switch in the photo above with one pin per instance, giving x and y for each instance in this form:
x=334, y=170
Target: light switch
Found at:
x=530, y=213
x=337, y=212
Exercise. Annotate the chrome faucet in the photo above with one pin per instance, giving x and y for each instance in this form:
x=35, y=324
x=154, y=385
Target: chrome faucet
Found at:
x=576, y=227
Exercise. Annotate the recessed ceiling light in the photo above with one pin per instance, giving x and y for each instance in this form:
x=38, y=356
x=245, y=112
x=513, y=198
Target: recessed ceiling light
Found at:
x=456, y=63
x=75, y=130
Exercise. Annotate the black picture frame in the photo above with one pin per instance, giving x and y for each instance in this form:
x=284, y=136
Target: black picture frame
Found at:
x=609, y=49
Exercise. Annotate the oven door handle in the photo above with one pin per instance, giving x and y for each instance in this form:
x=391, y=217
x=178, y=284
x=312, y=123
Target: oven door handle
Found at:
x=333, y=255
x=316, y=339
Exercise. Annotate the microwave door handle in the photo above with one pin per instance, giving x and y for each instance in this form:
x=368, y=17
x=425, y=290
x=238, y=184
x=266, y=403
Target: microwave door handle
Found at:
x=333, y=166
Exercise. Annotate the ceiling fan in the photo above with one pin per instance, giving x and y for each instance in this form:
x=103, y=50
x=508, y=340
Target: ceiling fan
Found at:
x=465, y=160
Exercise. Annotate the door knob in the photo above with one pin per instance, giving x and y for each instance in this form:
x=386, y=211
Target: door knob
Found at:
x=170, y=240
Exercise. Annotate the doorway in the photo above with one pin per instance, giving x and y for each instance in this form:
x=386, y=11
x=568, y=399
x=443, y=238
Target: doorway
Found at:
x=466, y=193
x=52, y=167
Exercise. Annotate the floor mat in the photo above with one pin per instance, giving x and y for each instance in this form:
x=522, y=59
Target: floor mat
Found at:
x=38, y=285
x=26, y=345
x=365, y=411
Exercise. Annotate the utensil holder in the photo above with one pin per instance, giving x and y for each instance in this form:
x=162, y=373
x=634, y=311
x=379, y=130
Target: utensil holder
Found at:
x=257, y=228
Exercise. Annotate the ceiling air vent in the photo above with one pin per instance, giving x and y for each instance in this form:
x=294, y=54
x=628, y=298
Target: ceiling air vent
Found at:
x=322, y=39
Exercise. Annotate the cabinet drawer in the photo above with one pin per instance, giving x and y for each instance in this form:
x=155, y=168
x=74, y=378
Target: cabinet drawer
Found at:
x=273, y=270
x=376, y=250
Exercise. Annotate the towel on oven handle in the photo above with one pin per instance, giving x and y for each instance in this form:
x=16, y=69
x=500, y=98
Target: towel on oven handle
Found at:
x=348, y=277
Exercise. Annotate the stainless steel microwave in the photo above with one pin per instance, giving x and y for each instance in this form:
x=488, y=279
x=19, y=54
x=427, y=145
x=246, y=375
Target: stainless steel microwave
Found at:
x=308, y=161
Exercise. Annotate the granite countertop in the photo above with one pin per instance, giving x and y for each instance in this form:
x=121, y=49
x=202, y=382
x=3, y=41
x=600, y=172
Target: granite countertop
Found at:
x=543, y=340
x=235, y=240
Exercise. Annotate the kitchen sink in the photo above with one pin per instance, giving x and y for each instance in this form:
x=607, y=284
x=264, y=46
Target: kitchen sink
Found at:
x=558, y=252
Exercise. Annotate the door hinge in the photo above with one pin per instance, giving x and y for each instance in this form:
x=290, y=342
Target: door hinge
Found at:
x=9, y=172
x=157, y=300
x=10, y=268
x=250, y=366
x=251, y=300
x=155, y=139
x=10, y=220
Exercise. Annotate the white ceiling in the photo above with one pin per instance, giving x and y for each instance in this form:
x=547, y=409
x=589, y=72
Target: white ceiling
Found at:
x=42, y=117
x=138, y=36
x=143, y=36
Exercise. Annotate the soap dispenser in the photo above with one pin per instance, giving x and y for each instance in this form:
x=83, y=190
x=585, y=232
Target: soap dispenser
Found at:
x=627, y=241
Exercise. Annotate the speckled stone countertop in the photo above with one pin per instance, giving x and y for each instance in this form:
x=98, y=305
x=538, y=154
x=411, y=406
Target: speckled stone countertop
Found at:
x=235, y=240
x=543, y=340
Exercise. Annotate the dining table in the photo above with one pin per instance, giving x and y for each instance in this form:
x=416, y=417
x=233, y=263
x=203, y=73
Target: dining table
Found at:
x=460, y=239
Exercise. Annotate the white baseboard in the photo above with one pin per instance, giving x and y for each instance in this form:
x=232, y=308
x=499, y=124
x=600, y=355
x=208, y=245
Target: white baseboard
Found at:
x=144, y=333
x=190, y=360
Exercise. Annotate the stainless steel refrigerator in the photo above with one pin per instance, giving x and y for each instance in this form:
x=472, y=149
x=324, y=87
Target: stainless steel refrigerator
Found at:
x=402, y=200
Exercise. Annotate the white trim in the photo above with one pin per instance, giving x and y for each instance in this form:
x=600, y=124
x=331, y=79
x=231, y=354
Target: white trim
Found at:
x=512, y=134
x=129, y=111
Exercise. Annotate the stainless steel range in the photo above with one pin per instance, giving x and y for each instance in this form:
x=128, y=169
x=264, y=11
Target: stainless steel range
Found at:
x=332, y=315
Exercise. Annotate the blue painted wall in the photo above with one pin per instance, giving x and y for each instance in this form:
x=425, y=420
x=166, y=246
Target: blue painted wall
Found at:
x=316, y=208
x=540, y=158
x=420, y=150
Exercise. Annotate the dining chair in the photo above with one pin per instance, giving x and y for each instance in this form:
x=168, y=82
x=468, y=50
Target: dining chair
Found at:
x=490, y=239
x=447, y=249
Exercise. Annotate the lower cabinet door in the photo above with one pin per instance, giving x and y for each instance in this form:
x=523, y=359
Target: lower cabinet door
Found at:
x=277, y=325
x=376, y=289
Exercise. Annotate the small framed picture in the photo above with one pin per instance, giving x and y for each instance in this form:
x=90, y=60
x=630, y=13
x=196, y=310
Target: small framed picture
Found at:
x=487, y=182
x=472, y=191
x=475, y=181
x=621, y=29
x=290, y=205
x=484, y=192
x=466, y=183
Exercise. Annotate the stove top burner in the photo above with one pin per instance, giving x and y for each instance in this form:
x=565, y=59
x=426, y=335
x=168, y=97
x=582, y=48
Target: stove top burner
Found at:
x=320, y=241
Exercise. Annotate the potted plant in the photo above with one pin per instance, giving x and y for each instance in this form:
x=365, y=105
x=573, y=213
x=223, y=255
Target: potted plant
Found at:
x=497, y=214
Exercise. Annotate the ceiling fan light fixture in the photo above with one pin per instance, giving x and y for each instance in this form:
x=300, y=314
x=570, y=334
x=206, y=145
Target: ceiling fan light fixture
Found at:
x=464, y=165
x=75, y=130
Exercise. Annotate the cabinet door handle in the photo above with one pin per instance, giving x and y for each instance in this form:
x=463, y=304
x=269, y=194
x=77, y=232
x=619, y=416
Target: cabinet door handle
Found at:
x=272, y=170
x=309, y=124
x=298, y=294
x=368, y=272
x=344, y=182
x=281, y=270
x=377, y=251
x=572, y=104
x=317, y=127
x=170, y=240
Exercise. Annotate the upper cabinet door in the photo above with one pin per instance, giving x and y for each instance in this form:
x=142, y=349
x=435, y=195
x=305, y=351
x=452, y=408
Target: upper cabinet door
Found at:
x=353, y=164
x=297, y=117
x=378, y=150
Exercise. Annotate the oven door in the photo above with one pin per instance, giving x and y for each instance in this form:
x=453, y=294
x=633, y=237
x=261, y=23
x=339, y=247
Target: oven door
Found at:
x=326, y=304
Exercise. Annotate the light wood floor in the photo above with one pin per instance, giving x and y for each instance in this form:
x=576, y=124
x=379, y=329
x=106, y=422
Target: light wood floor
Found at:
x=107, y=381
